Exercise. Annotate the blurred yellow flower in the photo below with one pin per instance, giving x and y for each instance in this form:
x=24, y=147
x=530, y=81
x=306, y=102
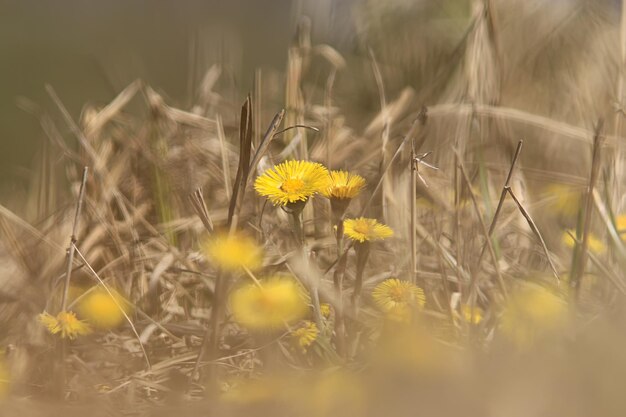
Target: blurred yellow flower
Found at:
x=292, y=181
x=531, y=313
x=305, y=335
x=233, y=252
x=363, y=229
x=279, y=301
x=101, y=309
x=343, y=185
x=620, y=225
x=472, y=315
x=398, y=297
x=595, y=245
x=563, y=199
x=64, y=323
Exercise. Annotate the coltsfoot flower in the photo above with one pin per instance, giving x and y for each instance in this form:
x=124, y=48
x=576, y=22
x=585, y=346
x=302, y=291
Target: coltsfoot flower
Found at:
x=292, y=181
x=531, y=313
x=103, y=310
x=394, y=296
x=234, y=252
x=364, y=229
x=65, y=324
x=279, y=301
x=595, y=245
x=343, y=185
x=305, y=335
x=563, y=199
x=472, y=315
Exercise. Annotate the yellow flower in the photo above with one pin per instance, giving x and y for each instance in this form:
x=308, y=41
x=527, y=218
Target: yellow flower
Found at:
x=325, y=310
x=363, y=229
x=620, y=226
x=595, y=245
x=305, y=335
x=563, y=199
x=64, y=323
x=279, y=301
x=471, y=315
x=292, y=181
x=531, y=313
x=398, y=297
x=343, y=185
x=101, y=309
x=234, y=252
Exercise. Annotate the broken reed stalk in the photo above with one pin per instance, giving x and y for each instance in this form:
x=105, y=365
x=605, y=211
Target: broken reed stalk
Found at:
x=580, y=258
x=413, y=197
x=483, y=227
x=496, y=215
x=503, y=194
x=535, y=230
x=73, y=240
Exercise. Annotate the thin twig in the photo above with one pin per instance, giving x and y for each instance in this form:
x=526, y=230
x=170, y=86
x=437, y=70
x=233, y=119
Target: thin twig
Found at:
x=580, y=261
x=72, y=246
x=496, y=215
x=483, y=227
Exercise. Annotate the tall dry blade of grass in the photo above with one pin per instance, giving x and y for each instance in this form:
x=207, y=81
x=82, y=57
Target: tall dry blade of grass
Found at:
x=580, y=257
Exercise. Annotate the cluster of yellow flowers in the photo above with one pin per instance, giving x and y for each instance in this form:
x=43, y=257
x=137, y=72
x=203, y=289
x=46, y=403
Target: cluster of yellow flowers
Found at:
x=100, y=309
x=297, y=181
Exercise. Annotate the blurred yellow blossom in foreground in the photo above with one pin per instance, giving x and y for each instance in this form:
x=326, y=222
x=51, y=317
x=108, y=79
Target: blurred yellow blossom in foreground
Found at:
x=103, y=310
x=277, y=302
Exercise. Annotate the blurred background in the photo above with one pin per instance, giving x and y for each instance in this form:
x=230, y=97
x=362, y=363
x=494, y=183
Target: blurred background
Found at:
x=90, y=50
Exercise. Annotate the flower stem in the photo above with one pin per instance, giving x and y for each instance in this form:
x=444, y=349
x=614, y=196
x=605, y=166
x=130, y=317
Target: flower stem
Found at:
x=315, y=298
x=362, y=253
x=340, y=327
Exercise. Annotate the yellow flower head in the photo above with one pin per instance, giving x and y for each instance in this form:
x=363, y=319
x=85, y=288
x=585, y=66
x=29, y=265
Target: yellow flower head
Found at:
x=101, y=309
x=363, y=229
x=325, y=310
x=620, y=225
x=343, y=185
x=595, y=245
x=398, y=297
x=292, y=181
x=305, y=335
x=471, y=315
x=563, y=199
x=65, y=323
x=234, y=252
x=530, y=313
x=277, y=302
